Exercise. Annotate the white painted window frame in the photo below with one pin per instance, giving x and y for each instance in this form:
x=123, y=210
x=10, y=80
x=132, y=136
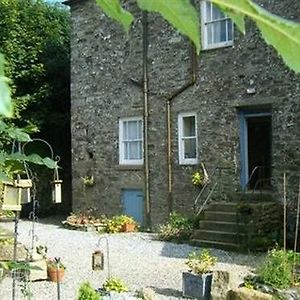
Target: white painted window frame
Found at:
x=181, y=138
x=122, y=160
x=204, y=31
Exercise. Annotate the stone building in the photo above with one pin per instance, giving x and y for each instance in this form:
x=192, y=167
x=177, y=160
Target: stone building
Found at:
x=146, y=112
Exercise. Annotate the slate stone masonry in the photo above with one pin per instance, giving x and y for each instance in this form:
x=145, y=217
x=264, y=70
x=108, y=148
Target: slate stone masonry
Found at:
x=106, y=73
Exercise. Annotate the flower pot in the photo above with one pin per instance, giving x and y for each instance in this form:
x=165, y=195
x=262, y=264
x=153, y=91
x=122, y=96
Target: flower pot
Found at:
x=128, y=227
x=55, y=275
x=196, y=286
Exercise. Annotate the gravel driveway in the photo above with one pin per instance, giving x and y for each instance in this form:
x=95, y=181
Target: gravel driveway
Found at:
x=137, y=258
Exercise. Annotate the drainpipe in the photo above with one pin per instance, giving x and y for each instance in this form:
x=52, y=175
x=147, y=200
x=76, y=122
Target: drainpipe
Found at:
x=146, y=115
x=170, y=99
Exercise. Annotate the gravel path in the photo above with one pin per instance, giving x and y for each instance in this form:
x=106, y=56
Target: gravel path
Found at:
x=137, y=258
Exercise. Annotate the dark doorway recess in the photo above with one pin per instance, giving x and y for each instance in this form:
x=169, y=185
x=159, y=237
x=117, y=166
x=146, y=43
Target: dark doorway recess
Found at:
x=259, y=152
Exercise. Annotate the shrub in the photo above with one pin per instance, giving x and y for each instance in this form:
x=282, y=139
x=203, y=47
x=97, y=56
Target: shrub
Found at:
x=86, y=292
x=277, y=269
x=177, y=228
x=114, y=284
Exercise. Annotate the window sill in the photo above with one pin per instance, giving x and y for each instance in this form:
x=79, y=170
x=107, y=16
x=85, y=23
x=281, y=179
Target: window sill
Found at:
x=217, y=46
x=129, y=167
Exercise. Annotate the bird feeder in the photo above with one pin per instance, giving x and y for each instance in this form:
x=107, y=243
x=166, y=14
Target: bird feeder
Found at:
x=11, y=196
x=56, y=188
x=97, y=260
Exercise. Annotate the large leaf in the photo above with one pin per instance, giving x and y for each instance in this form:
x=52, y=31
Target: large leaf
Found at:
x=114, y=10
x=18, y=134
x=282, y=34
x=6, y=107
x=179, y=13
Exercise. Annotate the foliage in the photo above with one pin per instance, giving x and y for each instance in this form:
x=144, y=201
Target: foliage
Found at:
x=114, y=284
x=177, y=228
x=201, y=262
x=34, y=37
x=6, y=241
x=7, y=214
x=115, y=224
x=197, y=179
x=282, y=34
x=54, y=263
x=86, y=292
x=6, y=107
x=277, y=269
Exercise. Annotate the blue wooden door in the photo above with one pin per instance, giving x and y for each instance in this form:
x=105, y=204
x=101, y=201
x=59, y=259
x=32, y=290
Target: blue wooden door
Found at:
x=133, y=203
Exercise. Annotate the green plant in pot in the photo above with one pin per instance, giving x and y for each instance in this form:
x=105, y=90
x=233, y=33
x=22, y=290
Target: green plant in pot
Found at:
x=197, y=282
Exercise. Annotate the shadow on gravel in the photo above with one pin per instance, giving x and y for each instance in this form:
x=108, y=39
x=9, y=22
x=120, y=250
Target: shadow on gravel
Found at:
x=176, y=250
x=167, y=292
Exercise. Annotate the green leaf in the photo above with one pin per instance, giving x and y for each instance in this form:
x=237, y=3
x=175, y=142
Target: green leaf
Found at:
x=282, y=34
x=50, y=163
x=18, y=134
x=3, y=177
x=179, y=13
x=6, y=107
x=114, y=10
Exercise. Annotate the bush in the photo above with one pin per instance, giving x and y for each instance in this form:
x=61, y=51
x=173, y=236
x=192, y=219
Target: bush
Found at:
x=201, y=262
x=177, y=228
x=116, y=223
x=277, y=270
x=114, y=284
x=86, y=292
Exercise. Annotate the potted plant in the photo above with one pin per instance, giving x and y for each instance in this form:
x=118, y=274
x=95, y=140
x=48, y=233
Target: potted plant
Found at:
x=55, y=270
x=128, y=223
x=197, y=282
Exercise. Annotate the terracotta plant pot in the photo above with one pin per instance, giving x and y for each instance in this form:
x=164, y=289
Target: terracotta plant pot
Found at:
x=55, y=275
x=128, y=227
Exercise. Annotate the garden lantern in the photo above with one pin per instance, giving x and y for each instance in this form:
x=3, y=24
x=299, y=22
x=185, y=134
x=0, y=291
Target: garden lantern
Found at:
x=11, y=196
x=56, y=188
x=97, y=260
x=25, y=185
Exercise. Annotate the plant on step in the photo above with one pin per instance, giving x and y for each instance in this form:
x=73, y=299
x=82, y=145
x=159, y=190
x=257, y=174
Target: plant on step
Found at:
x=201, y=262
x=114, y=284
x=86, y=292
x=277, y=269
x=177, y=228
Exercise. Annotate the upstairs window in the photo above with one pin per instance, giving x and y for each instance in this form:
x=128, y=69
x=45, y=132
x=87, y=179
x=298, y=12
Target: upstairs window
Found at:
x=131, y=141
x=187, y=138
x=217, y=28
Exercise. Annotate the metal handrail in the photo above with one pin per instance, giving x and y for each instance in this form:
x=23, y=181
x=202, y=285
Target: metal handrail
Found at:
x=205, y=186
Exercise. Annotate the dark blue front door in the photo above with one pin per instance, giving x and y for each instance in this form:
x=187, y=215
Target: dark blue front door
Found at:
x=133, y=203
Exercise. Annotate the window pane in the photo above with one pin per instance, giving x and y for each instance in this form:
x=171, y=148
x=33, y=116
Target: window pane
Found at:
x=189, y=126
x=126, y=150
x=132, y=130
x=209, y=33
x=208, y=11
x=230, y=30
x=134, y=150
x=125, y=130
x=140, y=129
x=216, y=13
x=190, y=148
x=220, y=32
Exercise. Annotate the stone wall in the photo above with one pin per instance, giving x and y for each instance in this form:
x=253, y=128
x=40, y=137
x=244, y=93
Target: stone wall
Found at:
x=106, y=85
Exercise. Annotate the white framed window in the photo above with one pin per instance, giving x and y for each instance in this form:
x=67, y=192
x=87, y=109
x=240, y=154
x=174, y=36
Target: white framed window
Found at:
x=187, y=139
x=217, y=28
x=131, y=141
